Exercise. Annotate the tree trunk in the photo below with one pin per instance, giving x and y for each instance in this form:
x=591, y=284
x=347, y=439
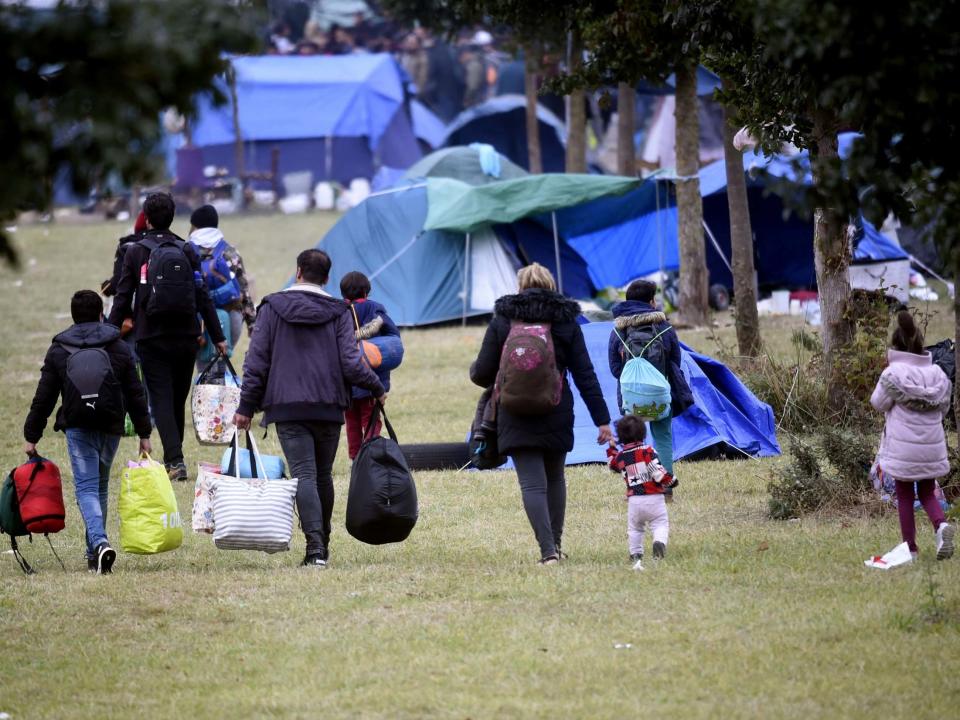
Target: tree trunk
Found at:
x=577, y=119
x=693, y=254
x=626, y=127
x=534, y=156
x=956, y=341
x=741, y=244
x=831, y=253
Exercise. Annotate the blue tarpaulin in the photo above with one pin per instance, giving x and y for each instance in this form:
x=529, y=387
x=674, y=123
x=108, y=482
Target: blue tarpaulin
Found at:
x=339, y=117
x=726, y=413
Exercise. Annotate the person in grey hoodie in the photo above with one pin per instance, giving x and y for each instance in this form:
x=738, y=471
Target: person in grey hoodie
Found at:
x=303, y=359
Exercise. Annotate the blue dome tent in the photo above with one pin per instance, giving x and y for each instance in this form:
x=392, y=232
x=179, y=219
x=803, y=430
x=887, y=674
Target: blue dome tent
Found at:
x=431, y=250
x=501, y=122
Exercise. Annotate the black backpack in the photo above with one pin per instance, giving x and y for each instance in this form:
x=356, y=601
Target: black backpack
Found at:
x=382, y=501
x=92, y=397
x=646, y=342
x=171, y=287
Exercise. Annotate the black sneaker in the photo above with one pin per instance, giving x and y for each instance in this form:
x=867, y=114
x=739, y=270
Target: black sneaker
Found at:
x=177, y=472
x=659, y=550
x=314, y=561
x=550, y=560
x=105, y=557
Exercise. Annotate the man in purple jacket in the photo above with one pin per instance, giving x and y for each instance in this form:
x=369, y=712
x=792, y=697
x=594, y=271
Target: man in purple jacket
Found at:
x=302, y=360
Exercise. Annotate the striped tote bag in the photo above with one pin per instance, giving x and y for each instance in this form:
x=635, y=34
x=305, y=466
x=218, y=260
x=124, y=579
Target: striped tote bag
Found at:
x=252, y=514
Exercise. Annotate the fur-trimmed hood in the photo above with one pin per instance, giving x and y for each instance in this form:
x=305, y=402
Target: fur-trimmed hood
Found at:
x=915, y=382
x=654, y=317
x=537, y=305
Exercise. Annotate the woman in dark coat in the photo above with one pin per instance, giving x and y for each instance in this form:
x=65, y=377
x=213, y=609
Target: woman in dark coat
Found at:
x=539, y=444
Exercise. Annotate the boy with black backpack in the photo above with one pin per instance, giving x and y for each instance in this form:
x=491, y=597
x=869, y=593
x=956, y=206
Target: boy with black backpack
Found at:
x=92, y=369
x=641, y=330
x=161, y=287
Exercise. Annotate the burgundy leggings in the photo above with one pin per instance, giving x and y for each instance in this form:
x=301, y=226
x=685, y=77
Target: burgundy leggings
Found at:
x=905, y=496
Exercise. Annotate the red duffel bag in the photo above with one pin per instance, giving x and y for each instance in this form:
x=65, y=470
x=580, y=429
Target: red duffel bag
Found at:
x=40, y=496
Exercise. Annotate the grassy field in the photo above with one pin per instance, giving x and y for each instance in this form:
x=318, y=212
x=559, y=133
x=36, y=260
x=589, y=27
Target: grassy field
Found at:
x=745, y=618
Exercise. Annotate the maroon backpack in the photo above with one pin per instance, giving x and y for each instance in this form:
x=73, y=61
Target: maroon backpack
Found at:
x=528, y=382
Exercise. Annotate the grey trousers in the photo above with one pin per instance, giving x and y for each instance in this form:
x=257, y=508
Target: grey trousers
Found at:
x=544, y=491
x=310, y=448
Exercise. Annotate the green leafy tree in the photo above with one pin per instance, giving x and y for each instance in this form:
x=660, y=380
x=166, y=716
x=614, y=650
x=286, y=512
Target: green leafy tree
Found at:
x=821, y=68
x=84, y=83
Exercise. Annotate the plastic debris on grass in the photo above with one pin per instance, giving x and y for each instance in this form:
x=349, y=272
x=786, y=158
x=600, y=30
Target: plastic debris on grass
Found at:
x=900, y=555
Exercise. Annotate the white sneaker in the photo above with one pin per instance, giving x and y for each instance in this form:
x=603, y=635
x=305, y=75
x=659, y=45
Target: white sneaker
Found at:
x=638, y=565
x=945, y=534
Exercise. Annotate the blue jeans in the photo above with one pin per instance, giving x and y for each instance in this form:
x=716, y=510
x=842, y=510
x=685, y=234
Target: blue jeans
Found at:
x=91, y=455
x=662, y=431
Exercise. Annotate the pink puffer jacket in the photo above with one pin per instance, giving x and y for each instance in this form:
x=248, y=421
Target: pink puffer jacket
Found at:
x=915, y=395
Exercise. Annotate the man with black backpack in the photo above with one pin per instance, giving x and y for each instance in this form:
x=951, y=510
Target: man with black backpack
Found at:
x=161, y=288
x=93, y=370
x=641, y=330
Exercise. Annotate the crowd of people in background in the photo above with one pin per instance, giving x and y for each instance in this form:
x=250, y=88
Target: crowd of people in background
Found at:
x=446, y=76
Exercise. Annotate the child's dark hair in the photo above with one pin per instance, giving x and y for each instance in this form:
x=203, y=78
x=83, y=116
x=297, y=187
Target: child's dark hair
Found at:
x=354, y=286
x=642, y=290
x=907, y=337
x=631, y=429
x=86, y=306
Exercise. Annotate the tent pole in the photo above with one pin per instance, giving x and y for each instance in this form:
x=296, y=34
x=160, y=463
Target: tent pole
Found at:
x=716, y=246
x=556, y=252
x=237, y=137
x=466, y=278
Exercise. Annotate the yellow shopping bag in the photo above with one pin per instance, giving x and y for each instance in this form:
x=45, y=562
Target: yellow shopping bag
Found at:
x=149, y=519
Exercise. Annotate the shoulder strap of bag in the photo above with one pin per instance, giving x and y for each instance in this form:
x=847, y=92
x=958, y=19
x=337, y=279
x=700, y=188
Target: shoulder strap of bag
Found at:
x=37, y=467
x=256, y=463
x=378, y=411
x=627, y=347
x=210, y=365
x=652, y=339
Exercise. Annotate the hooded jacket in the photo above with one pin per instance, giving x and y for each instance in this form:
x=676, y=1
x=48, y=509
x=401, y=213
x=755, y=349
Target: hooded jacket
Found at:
x=54, y=372
x=373, y=321
x=131, y=296
x=634, y=313
x=914, y=394
x=553, y=431
x=302, y=359
x=204, y=242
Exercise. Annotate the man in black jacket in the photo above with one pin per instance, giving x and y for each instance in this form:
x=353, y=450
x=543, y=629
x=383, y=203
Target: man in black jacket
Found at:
x=93, y=431
x=166, y=340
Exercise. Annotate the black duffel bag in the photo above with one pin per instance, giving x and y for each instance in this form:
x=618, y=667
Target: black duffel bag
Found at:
x=382, y=502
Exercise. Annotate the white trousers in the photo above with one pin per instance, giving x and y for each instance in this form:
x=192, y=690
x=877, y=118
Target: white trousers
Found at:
x=643, y=509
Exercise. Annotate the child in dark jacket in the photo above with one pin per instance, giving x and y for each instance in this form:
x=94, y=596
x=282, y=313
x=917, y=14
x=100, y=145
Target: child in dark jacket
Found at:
x=371, y=320
x=647, y=481
x=92, y=422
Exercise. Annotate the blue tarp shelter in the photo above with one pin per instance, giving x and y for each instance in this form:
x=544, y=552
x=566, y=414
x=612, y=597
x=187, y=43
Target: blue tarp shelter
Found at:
x=339, y=117
x=501, y=122
x=727, y=417
x=641, y=226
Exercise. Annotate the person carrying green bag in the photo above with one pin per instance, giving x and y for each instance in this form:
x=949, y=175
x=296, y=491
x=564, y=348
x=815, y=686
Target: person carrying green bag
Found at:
x=89, y=369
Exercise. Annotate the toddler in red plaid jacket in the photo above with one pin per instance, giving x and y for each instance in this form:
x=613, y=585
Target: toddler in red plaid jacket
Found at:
x=646, y=480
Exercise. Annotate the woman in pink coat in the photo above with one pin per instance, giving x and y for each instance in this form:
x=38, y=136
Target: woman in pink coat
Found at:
x=914, y=394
